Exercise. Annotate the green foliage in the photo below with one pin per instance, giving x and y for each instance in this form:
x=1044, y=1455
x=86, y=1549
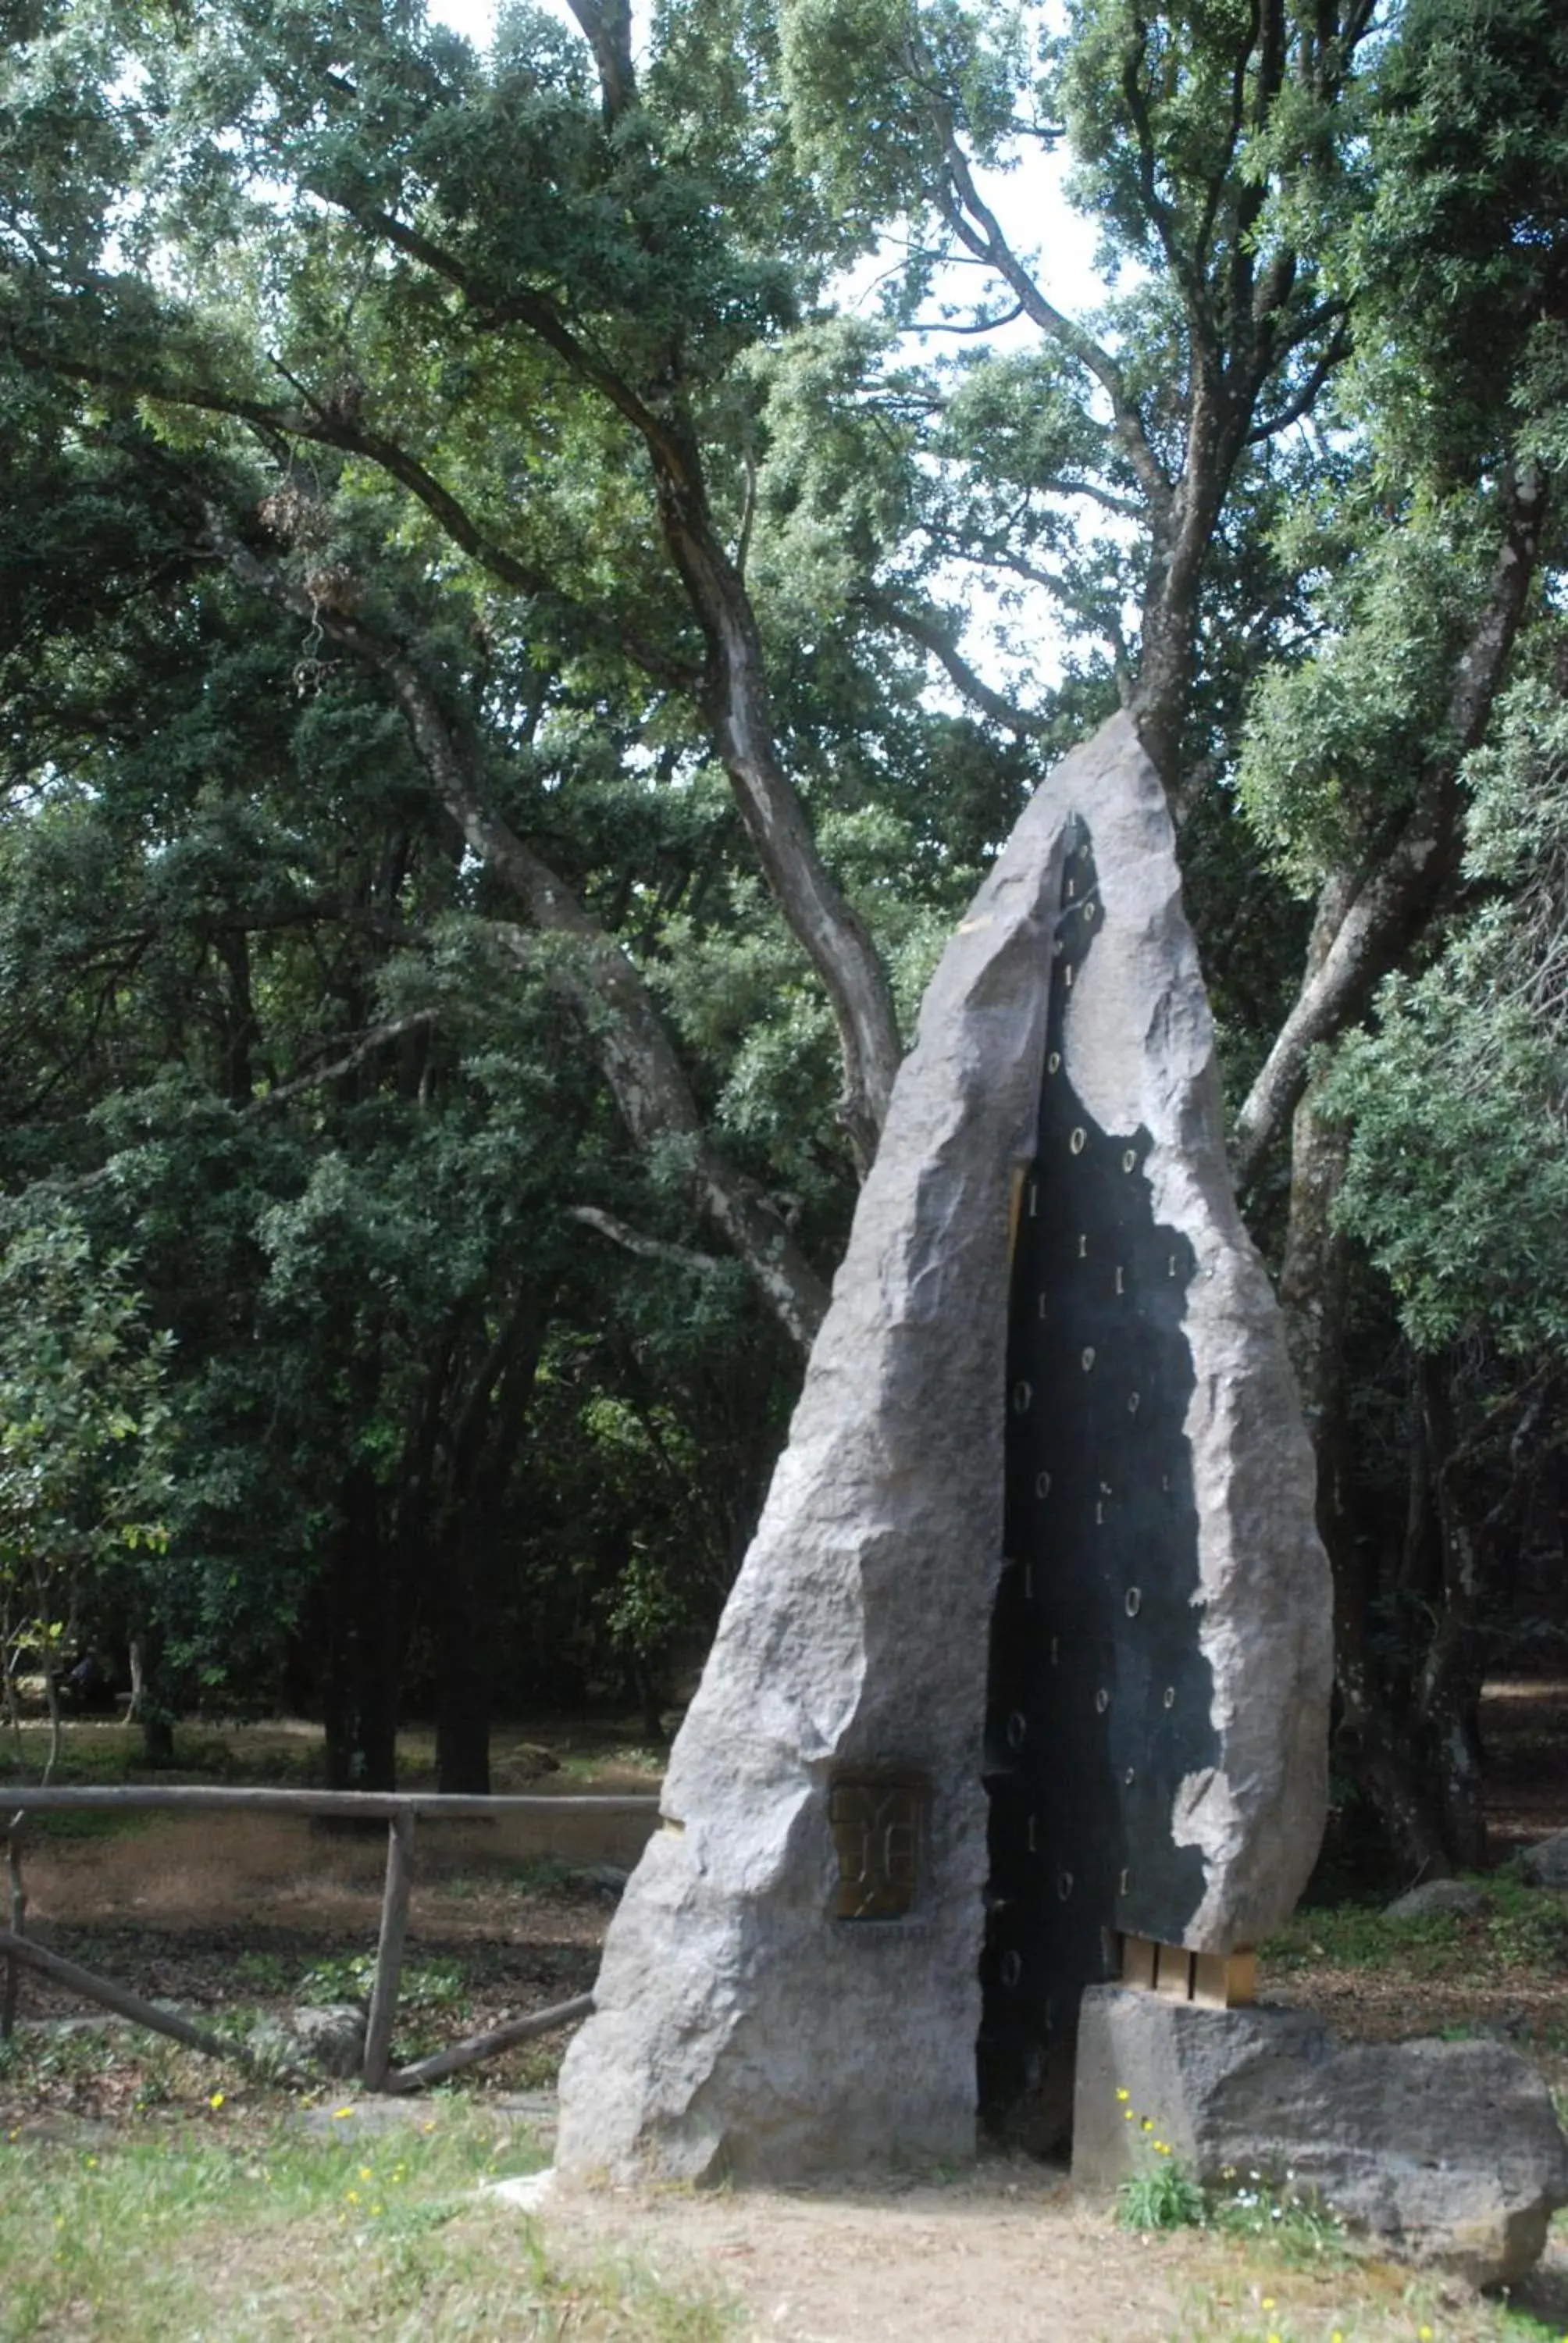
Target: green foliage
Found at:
x=1458, y=260
x=422, y=1985
x=1161, y=2197
x=1517, y=1927
x=84, y=1432
x=1334, y=746
x=1458, y=1178
x=1296, y=2231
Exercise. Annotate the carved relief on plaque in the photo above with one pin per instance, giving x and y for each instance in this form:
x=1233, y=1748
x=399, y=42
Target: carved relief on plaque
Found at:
x=878, y=1826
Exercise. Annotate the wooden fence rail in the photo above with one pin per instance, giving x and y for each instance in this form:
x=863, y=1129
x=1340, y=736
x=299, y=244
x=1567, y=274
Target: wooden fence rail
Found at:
x=400, y=1810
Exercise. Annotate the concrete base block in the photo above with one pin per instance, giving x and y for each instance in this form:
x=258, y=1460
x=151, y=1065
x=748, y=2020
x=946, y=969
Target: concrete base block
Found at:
x=1448, y=2152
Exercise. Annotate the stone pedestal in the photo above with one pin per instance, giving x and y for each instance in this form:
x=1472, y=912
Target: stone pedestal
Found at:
x=1449, y=2152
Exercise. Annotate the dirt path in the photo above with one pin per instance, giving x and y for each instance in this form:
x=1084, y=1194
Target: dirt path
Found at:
x=1006, y=2255
x=183, y=1870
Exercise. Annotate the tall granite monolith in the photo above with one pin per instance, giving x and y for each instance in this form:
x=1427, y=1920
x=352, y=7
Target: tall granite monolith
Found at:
x=793, y=1980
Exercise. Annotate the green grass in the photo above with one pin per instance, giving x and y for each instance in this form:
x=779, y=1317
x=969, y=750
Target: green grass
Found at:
x=1518, y=1927
x=266, y=1755
x=42, y=1828
x=1164, y=2198
x=210, y=2229
x=348, y=1977
x=1234, y=2290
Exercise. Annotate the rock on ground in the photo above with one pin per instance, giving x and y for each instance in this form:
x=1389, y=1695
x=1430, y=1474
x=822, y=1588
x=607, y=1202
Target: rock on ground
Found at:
x=1434, y=1897
x=1546, y=1862
x=330, y=2039
x=1448, y=2152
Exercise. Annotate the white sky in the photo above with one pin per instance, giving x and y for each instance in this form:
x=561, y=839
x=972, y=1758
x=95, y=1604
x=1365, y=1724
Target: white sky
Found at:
x=1029, y=202
x=1044, y=228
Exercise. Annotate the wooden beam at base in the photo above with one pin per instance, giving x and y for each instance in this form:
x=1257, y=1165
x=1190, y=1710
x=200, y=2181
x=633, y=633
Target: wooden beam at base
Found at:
x=1212, y=1980
x=1139, y=1960
x=1225, y=1980
x=116, y=1997
x=487, y=2046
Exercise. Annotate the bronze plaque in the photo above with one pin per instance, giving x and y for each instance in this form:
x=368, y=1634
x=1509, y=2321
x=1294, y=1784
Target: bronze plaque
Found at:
x=879, y=1824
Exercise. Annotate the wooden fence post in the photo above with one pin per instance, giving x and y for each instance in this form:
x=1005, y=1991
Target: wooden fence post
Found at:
x=18, y=1914
x=390, y=1952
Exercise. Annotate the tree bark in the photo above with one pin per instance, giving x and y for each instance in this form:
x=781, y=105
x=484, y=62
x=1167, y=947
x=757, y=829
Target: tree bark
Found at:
x=364, y=1647
x=482, y=1449
x=735, y=697
x=734, y=691
x=1449, y=1681
x=637, y=1058
x=465, y=1681
x=1313, y=1293
x=1365, y=926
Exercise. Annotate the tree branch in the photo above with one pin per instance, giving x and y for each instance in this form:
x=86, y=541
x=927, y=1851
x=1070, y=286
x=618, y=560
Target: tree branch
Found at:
x=973, y=219
x=325, y=427
x=632, y=1241
x=535, y=310
x=924, y=629
x=1364, y=926
x=1154, y=204
x=597, y=978
x=368, y=1043
x=1306, y=397
x=607, y=27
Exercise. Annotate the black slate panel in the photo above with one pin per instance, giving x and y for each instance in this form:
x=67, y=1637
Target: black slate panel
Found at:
x=1099, y=1697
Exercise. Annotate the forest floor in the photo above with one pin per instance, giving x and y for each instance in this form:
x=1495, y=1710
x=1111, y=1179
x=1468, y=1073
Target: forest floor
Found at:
x=217, y=1911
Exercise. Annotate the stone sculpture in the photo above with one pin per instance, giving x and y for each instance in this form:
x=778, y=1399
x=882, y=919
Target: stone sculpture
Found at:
x=793, y=1980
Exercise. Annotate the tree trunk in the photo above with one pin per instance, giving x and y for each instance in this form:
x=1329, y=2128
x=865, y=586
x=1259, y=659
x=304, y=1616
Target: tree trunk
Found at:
x=363, y=1649
x=830, y=932
x=464, y=1681
x=1366, y=923
x=482, y=1453
x=1313, y=1291
x=1450, y=1677
x=149, y=1705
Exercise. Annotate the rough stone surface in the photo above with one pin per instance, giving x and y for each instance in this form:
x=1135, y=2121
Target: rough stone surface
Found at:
x=1546, y=1862
x=1449, y=2152
x=739, y=2028
x=332, y=2037
x=1140, y=1053
x=1436, y=1896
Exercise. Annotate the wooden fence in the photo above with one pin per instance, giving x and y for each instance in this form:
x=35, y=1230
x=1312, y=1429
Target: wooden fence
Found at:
x=400, y=1811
